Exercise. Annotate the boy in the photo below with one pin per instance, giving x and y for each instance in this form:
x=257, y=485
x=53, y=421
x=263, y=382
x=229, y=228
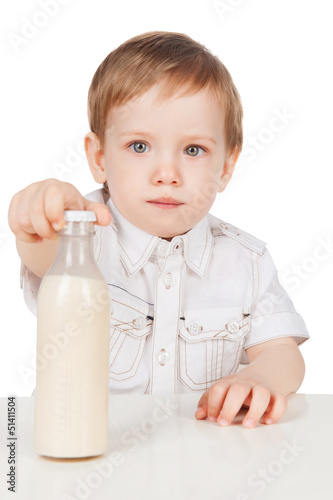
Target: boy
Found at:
x=191, y=294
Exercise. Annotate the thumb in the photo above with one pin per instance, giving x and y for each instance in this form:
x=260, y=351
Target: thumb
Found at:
x=103, y=214
x=202, y=408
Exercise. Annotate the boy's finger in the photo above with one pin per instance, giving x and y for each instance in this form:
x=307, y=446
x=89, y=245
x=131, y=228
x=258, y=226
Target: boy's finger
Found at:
x=103, y=214
x=260, y=400
x=18, y=218
x=59, y=197
x=204, y=399
x=233, y=402
x=42, y=227
x=202, y=408
x=217, y=394
x=28, y=237
x=201, y=413
x=21, y=225
x=276, y=409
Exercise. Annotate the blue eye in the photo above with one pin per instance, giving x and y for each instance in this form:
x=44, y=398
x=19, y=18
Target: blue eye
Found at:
x=194, y=151
x=139, y=147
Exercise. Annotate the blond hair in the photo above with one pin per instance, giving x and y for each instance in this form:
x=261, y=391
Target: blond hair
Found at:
x=182, y=64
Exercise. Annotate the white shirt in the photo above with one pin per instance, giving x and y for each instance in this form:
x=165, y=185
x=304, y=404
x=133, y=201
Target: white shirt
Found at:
x=184, y=311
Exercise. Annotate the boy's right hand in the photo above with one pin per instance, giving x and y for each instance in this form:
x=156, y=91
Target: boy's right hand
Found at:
x=37, y=212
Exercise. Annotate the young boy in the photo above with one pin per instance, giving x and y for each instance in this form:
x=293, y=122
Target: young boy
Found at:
x=191, y=294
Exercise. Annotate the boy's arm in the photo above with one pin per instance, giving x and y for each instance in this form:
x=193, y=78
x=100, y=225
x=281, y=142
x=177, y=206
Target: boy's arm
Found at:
x=37, y=212
x=276, y=370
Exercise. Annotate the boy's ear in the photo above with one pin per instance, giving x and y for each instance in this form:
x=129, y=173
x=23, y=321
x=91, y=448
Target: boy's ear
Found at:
x=95, y=157
x=228, y=168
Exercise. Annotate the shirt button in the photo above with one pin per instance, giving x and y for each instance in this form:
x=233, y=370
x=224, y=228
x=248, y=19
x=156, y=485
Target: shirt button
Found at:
x=162, y=249
x=176, y=247
x=163, y=357
x=140, y=322
x=232, y=229
x=194, y=328
x=168, y=280
x=233, y=327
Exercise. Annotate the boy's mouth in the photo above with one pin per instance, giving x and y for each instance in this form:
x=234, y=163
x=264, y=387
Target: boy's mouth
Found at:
x=165, y=202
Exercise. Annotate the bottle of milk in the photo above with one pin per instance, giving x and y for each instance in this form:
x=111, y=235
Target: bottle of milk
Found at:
x=73, y=331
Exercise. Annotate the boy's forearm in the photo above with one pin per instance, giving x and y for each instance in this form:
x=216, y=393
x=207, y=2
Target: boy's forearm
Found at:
x=280, y=366
x=38, y=257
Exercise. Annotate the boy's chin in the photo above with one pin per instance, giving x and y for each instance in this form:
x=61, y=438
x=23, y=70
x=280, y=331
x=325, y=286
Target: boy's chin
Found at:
x=169, y=237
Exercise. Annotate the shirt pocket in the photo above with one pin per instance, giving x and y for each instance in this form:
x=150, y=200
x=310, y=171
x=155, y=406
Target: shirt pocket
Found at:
x=210, y=345
x=130, y=326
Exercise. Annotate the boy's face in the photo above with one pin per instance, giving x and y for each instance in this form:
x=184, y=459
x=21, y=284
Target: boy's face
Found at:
x=164, y=161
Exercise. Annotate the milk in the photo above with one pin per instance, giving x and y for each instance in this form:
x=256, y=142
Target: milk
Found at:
x=71, y=397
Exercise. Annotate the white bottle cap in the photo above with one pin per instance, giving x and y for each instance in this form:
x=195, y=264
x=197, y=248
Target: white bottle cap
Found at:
x=79, y=216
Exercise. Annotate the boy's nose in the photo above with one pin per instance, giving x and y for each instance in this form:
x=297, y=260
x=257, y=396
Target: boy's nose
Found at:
x=167, y=173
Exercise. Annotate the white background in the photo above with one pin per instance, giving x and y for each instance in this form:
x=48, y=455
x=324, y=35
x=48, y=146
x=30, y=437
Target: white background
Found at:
x=279, y=54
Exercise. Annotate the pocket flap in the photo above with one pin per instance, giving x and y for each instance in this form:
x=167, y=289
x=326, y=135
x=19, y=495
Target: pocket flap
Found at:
x=132, y=319
x=216, y=323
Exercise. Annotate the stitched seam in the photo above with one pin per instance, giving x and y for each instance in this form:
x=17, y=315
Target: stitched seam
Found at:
x=177, y=328
x=132, y=294
x=119, y=325
x=186, y=372
x=132, y=328
x=129, y=307
x=114, y=343
x=217, y=357
x=116, y=354
x=113, y=334
x=221, y=374
x=255, y=277
x=212, y=362
x=258, y=277
x=276, y=312
x=137, y=361
x=210, y=251
x=141, y=254
x=237, y=356
x=299, y=335
x=142, y=260
x=194, y=388
x=216, y=367
x=248, y=242
x=206, y=369
x=203, y=253
x=154, y=331
x=185, y=351
x=179, y=341
x=147, y=387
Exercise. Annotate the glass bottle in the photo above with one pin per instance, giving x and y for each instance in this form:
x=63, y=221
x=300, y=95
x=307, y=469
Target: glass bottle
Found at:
x=73, y=331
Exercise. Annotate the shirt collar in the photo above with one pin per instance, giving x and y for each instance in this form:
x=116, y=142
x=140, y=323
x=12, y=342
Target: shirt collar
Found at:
x=198, y=246
x=136, y=246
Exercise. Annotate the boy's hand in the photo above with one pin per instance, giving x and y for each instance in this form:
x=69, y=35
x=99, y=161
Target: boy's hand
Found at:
x=37, y=211
x=223, y=400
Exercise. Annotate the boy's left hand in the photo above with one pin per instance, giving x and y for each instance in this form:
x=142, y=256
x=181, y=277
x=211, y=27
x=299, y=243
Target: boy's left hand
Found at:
x=223, y=400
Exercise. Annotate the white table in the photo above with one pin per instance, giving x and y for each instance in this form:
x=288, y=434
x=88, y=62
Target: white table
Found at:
x=157, y=450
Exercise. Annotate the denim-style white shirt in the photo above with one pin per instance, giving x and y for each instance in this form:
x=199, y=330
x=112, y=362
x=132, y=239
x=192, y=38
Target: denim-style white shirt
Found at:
x=183, y=312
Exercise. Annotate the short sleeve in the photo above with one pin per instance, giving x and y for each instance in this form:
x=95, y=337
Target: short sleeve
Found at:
x=273, y=314
x=30, y=283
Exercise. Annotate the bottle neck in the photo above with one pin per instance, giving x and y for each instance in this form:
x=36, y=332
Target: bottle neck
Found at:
x=75, y=250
